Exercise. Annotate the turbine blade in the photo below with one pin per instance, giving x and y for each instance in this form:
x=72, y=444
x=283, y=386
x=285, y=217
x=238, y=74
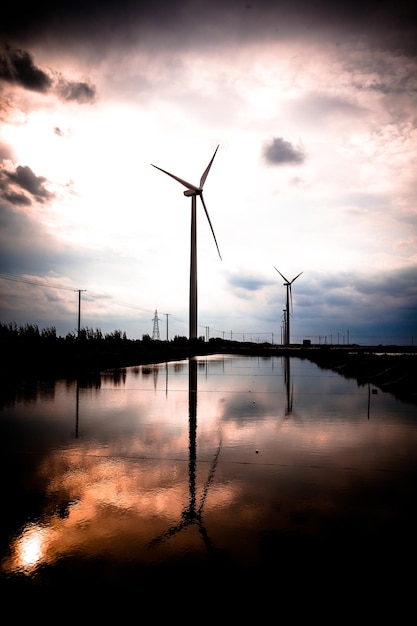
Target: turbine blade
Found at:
x=296, y=277
x=207, y=541
x=209, y=221
x=180, y=180
x=286, y=280
x=204, y=176
x=292, y=309
x=169, y=533
x=210, y=478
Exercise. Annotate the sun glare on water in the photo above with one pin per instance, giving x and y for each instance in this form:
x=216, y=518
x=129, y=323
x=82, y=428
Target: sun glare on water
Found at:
x=29, y=550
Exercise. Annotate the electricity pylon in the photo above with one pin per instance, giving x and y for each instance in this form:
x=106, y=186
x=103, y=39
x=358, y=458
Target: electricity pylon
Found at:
x=155, y=332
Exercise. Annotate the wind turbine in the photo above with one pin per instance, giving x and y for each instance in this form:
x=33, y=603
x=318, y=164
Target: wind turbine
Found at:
x=194, y=191
x=288, y=284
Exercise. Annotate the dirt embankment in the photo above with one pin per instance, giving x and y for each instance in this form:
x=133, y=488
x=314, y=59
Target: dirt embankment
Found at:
x=393, y=373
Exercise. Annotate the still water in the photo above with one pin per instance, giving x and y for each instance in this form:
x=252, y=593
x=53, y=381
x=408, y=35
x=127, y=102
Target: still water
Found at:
x=207, y=469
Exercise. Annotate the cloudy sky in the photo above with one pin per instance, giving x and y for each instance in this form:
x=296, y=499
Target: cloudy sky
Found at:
x=314, y=108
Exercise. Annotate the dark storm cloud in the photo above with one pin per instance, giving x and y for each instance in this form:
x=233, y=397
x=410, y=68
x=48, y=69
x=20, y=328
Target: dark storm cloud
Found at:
x=18, y=67
x=247, y=282
x=281, y=152
x=352, y=289
x=383, y=304
x=25, y=247
x=386, y=298
x=402, y=282
x=26, y=250
x=15, y=198
x=89, y=21
x=103, y=23
x=14, y=184
x=396, y=284
x=79, y=92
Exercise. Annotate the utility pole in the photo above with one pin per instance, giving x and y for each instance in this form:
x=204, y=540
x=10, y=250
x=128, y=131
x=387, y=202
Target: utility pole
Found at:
x=79, y=310
x=167, y=322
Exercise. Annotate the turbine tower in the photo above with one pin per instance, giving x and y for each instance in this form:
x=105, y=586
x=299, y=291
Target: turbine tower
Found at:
x=288, y=284
x=193, y=191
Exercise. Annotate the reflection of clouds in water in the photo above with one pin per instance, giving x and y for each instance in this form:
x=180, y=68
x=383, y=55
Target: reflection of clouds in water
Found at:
x=242, y=408
x=126, y=479
x=111, y=505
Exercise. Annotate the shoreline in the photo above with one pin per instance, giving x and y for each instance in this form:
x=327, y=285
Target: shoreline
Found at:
x=389, y=368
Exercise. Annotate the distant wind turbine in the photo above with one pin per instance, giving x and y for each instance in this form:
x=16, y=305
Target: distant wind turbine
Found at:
x=194, y=191
x=288, y=284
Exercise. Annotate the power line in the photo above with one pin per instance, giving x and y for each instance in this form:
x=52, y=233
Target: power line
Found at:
x=95, y=296
x=38, y=283
x=118, y=302
x=91, y=295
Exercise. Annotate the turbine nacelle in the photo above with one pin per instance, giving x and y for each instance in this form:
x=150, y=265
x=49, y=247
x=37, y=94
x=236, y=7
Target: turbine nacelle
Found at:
x=193, y=190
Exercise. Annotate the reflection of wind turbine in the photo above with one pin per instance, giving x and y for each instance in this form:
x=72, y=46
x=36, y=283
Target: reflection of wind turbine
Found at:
x=288, y=284
x=192, y=514
x=194, y=191
x=289, y=387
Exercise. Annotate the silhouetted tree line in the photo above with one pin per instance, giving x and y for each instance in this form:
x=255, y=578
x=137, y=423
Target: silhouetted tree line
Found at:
x=27, y=350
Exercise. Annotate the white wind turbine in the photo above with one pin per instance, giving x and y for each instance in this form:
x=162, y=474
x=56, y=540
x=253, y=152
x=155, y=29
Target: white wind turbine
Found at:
x=288, y=284
x=194, y=191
